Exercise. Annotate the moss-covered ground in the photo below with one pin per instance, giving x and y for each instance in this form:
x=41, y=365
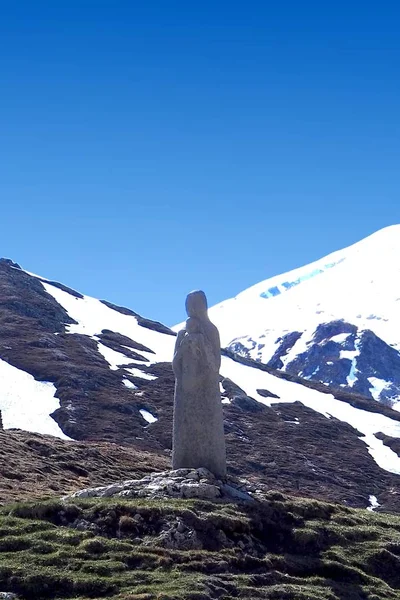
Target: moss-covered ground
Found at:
x=282, y=548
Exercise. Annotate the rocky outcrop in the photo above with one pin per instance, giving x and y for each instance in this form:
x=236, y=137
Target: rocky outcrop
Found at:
x=178, y=483
x=285, y=343
x=142, y=321
x=339, y=354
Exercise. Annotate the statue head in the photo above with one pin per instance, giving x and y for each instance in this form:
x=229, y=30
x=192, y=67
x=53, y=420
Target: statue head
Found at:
x=196, y=304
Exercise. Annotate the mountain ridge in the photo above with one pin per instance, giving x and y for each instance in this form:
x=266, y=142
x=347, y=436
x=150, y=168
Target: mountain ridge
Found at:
x=278, y=321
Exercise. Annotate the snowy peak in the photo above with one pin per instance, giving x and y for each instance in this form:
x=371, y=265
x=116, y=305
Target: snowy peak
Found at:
x=380, y=248
x=359, y=285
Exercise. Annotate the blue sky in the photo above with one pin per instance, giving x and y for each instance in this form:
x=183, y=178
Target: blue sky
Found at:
x=148, y=149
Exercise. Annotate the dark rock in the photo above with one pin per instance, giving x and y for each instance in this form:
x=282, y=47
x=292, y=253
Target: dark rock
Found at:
x=231, y=389
x=62, y=287
x=326, y=331
x=247, y=404
x=374, y=358
x=122, y=340
x=9, y=263
x=286, y=343
x=143, y=322
x=23, y=297
x=266, y=394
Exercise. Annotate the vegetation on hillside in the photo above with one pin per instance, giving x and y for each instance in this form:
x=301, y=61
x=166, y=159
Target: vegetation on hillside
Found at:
x=282, y=548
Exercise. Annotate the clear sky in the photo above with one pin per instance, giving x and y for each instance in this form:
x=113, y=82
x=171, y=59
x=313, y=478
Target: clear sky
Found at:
x=149, y=148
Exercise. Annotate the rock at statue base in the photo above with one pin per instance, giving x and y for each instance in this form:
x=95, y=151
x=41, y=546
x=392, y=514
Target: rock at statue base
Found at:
x=180, y=483
x=198, y=436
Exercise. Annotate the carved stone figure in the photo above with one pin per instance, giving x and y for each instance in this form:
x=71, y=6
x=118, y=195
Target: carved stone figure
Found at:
x=198, y=436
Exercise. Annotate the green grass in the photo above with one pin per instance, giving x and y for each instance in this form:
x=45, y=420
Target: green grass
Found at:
x=282, y=549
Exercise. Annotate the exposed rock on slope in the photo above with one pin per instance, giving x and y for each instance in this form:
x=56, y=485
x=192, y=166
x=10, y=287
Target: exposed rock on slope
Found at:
x=337, y=354
x=94, y=404
x=36, y=466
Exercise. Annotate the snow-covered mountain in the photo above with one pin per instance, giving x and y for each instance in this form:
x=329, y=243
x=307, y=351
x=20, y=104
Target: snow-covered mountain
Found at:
x=335, y=320
x=76, y=367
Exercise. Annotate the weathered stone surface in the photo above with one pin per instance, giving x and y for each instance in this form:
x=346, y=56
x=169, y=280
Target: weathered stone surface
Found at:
x=198, y=431
x=180, y=537
x=234, y=492
x=180, y=483
x=200, y=490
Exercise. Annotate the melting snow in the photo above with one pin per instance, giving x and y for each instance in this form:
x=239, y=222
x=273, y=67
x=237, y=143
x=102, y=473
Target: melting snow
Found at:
x=300, y=347
x=373, y=501
x=351, y=355
x=139, y=373
x=377, y=386
x=114, y=359
x=367, y=423
x=93, y=316
x=26, y=403
x=129, y=384
x=147, y=416
x=340, y=338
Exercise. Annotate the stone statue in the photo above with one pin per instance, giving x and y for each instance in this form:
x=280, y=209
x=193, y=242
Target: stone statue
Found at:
x=198, y=437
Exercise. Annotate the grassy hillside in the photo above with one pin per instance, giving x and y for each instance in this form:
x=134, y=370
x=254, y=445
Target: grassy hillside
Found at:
x=282, y=549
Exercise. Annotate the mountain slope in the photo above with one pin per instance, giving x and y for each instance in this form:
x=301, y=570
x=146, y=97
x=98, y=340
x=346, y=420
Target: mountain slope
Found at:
x=109, y=375
x=334, y=320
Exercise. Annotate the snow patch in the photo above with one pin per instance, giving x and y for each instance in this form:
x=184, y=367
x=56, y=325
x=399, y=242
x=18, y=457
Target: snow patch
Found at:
x=300, y=347
x=93, y=316
x=340, y=338
x=26, y=403
x=129, y=384
x=115, y=359
x=139, y=373
x=351, y=355
x=373, y=501
x=367, y=423
x=147, y=416
x=377, y=387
